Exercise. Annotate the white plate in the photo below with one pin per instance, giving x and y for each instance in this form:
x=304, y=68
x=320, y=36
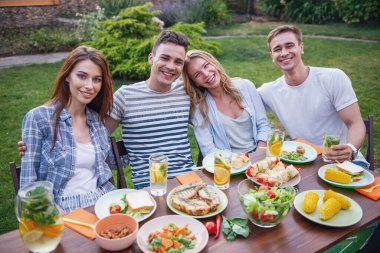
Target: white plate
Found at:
x=310, y=153
x=196, y=227
x=103, y=203
x=223, y=204
x=367, y=179
x=208, y=161
x=343, y=218
x=292, y=182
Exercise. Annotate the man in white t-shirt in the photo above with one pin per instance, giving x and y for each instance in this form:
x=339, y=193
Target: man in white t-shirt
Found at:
x=311, y=101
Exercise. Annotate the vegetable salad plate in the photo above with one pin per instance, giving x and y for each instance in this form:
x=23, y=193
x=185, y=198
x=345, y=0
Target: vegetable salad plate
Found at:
x=291, y=146
x=367, y=179
x=208, y=162
x=196, y=227
x=114, y=197
x=343, y=218
x=223, y=204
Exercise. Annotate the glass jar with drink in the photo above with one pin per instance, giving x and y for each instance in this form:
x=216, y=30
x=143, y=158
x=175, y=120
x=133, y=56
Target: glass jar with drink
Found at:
x=158, y=171
x=274, y=143
x=222, y=169
x=40, y=223
x=329, y=140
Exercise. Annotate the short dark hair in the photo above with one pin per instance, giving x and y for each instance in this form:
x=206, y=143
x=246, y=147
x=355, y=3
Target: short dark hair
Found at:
x=171, y=37
x=282, y=29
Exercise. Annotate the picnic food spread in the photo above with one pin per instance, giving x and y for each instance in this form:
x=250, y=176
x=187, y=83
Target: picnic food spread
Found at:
x=195, y=199
x=344, y=173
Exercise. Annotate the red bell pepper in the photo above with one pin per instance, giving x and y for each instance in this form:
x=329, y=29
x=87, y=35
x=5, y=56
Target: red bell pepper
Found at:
x=218, y=224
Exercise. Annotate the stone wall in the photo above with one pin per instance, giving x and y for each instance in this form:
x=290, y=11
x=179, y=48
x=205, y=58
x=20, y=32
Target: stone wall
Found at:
x=36, y=16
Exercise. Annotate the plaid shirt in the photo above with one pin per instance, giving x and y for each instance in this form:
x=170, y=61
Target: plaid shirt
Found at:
x=57, y=165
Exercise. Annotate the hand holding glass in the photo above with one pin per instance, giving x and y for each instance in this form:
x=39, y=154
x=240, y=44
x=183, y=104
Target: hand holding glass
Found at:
x=329, y=140
x=158, y=170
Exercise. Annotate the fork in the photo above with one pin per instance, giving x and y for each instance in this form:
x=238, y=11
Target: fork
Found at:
x=371, y=188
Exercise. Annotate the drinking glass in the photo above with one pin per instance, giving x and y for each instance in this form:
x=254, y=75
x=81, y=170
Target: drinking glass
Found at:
x=40, y=223
x=274, y=143
x=158, y=170
x=328, y=141
x=222, y=169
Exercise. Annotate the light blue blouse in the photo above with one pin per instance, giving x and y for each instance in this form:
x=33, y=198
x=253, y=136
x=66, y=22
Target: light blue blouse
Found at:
x=213, y=136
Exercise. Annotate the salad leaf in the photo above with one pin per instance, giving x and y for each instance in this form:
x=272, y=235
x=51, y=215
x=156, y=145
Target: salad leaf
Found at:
x=233, y=227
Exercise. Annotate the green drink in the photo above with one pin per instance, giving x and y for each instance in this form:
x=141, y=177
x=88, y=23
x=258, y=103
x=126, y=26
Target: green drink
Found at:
x=328, y=141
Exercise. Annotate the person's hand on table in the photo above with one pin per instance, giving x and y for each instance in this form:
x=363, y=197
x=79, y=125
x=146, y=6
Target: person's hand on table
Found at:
x=340, y=153
x=21, y=148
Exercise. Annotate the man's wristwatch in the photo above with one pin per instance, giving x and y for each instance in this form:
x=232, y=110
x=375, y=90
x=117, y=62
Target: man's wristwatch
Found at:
x=355, y=151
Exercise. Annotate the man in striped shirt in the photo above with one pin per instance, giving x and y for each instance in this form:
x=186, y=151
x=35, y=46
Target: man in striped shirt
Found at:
x=154, y=113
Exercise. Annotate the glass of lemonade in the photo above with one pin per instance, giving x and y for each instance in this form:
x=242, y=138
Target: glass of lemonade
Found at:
x=40, y=223
x=222, y=169
x=328, y=141
x=158, y=171
x=274, y=143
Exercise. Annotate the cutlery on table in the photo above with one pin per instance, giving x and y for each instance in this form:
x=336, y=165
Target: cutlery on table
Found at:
x=371, y=188
x=78, y=223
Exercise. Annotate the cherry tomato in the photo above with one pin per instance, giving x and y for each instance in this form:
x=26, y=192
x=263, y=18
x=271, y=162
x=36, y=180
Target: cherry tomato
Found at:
x=255, y=214
x=211, y=227
x=114, y=208
x=266, y=217
x=271, y=194
x=249, y=173
x=260, y=179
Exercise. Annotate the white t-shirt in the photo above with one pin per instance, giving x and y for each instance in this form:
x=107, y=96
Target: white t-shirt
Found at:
x=84, y=179
x=310, y=110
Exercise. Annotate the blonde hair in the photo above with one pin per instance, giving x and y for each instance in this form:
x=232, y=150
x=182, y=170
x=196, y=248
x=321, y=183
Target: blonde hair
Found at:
x=196, y=93
x=282, y=29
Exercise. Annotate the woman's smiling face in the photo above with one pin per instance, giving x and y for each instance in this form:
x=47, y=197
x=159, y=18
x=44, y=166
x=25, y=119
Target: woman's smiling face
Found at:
x=203, y=73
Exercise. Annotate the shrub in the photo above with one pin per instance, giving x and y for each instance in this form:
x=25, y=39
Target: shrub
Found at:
x=127, y=39
x=358, y=11
x=272, y=8
x=113, y=7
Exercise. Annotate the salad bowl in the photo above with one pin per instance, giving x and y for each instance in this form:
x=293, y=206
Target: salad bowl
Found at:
x=265, y=206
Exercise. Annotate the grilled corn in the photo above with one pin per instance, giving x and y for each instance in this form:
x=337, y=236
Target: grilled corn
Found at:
x=329, y=209
x=337, y=176
x=343, y=200
x=310, y=202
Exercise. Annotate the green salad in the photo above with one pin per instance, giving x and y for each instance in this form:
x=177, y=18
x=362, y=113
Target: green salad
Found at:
x=268, y=205
x=293, y=155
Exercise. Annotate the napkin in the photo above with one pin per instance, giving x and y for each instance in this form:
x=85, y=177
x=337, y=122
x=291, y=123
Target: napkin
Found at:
x=374, y=194
x=83, y=216
x=189, y=178
x=317, y=148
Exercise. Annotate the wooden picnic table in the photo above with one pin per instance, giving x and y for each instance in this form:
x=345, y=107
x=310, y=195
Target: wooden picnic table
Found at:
x=294, y=234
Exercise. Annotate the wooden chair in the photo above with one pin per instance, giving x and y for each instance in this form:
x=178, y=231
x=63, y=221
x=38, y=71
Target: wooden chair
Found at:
x=15, y=172
x=370, y=156
x=119, y=150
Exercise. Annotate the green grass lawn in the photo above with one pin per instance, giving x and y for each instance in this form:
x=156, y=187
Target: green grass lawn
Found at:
x=22, y=88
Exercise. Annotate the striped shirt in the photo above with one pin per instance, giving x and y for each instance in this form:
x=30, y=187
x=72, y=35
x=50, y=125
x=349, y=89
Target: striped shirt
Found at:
x=58, y=165
x=154, y=122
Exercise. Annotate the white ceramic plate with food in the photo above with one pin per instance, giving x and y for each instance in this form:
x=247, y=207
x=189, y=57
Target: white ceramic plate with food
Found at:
x=104, y=202
x=292, y=182
x=367, y=179
x=343, y=218
x=196, y=228
x=208, y=163
x=223, y=204
x=310, y=153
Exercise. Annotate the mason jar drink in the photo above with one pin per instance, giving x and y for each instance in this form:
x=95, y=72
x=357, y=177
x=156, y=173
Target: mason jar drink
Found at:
x=40, y=223
x=222, y=169
x=274, y=143
x=329, y=140
x=158, y=171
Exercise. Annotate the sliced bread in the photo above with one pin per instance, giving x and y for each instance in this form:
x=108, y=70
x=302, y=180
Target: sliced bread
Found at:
x=139, y=200
x=350, y=168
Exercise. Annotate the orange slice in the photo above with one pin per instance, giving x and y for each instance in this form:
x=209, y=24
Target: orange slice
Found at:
x=221, y=176
x=275, y=148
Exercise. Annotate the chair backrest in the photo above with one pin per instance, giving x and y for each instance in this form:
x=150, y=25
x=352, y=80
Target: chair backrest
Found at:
x=370, y=156
x=119, y=150
x=15, y=172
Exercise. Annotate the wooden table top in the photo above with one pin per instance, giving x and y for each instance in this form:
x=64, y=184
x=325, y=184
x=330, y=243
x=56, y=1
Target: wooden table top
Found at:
x=294, y=234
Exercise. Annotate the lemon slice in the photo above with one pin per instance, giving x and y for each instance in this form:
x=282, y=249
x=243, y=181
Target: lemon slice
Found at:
x=32, y=236
x=275, y=148
x=221, y=176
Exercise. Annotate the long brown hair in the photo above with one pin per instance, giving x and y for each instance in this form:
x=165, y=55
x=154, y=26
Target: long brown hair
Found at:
x=102, y=103
x=196, y=93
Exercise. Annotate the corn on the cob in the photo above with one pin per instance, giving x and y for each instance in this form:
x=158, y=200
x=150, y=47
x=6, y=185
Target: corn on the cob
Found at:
x=337, y=176
x=343, y=200
x=310, y=202
x=329, y=209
